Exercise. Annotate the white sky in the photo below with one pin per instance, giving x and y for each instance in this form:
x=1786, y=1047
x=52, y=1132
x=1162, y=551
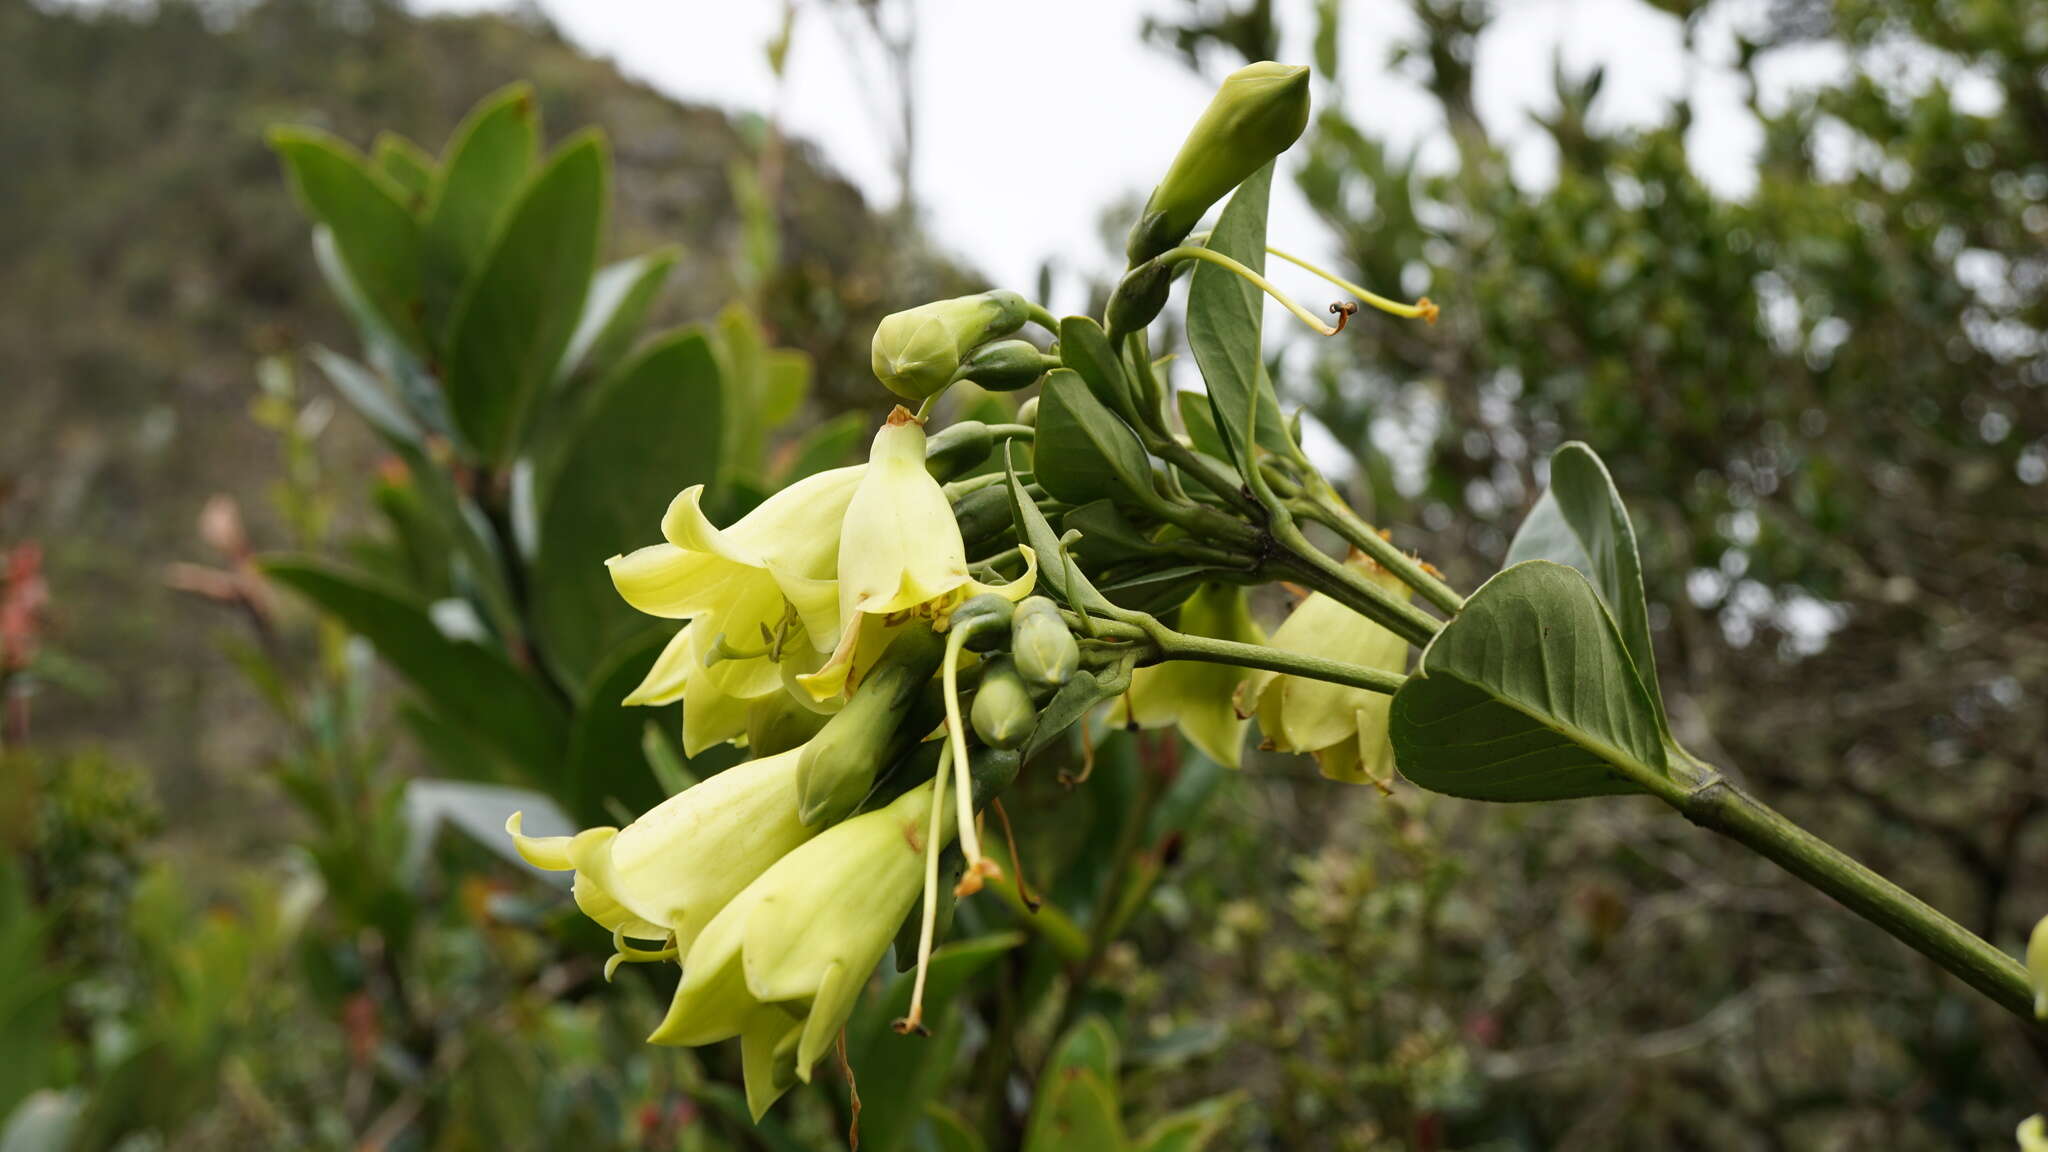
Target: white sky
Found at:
x=1070, y=83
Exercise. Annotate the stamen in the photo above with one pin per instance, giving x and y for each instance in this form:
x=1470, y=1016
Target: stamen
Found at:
x=1420, y=310
x=914, y=1020
x=979, y=867
x=1250, y=277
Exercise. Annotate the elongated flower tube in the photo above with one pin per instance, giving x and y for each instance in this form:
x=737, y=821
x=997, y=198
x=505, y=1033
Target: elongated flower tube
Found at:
x=1195, y=697
x=900, y=555
x=2037, y=967
x=759, y=596
x=782, y=966
x=916, y=352
x=666, y=875
x=1344, y=728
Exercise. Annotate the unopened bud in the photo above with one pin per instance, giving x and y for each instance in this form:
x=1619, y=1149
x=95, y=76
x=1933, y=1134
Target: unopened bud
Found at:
x=1028, y=414
x=955, y=449
x=1138, y=299
x=1007, y=365
x=917, y=352
x=838, y=766
x=1040, y=644
x=1257, y=114
x=1003, y=714
x=982, y=515
x=986, y=607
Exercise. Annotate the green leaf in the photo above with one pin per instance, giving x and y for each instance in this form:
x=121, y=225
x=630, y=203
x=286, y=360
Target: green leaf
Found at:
x=1085, y=348
x=767, y=386
x=374, y=233
x=522, y=303
x=472, y=687
x=1083, y=452
x=406, y=165
x=620, y=297
x=1190, y=1129
x=366, y=394
x=1224, y=315
x=1580, y=522
x=1055, y=574
x=652, y=429
x=1078, y=1105
x=489, y=157
x=1528, y=694
x=607, y=760
x=1200, y=421
x=1075, y=699
x=833, y=444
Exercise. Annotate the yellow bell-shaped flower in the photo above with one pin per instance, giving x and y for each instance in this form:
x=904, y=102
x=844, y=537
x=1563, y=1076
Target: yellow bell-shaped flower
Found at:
x=900, y=556
x=1344, y=728
x=760, y=596
x=783, y=964
x=1198, y=698
x=666, y=875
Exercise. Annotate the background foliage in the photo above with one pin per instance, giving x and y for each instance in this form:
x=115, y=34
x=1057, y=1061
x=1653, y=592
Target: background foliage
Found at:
x=226, y=927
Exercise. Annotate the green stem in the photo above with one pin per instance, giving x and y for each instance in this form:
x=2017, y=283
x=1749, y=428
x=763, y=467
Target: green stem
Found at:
x=1325, y=507
x=1040, y=316
x=1726, y=809
x=1012, y=432
x=1175, y=255
x=1353, y=590
x=1420, y=310
x=1206, y=650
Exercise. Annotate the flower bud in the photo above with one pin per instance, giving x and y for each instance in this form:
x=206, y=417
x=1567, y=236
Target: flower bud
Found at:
x=987, y=606
x=1257, y=114
x=2037, y=967
x=956, y=448
x=917, y=352
x=1028, y=414
x=983, y=514
x=1138, y=299
x=1007, y=365
x=839, y=764
x=1003, y=714
x=1044, y=651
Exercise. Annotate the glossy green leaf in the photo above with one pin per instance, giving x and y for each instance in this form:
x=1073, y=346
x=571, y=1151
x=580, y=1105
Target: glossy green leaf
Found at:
x=1528, y=694
x=607, y=760
x=1580, y=522
x=406, y=165
x=1224, y=316
x=471, y=686
x=620, y=297
x=489, y=157
x=522, y=303
x=374, y=232
x=1083, y=451
x=652, y=429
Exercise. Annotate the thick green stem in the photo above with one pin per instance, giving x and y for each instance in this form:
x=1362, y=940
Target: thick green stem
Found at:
x=1353, y=590
x=1726, y=809
x=1325, y=507
x=1181, y=646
